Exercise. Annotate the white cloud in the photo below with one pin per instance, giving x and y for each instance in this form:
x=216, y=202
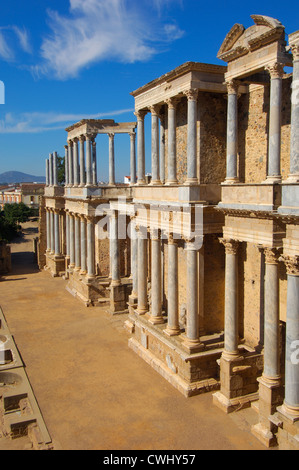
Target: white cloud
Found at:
x=37, y=122
x=6, y=52
x=23, y=38
x=97, y=30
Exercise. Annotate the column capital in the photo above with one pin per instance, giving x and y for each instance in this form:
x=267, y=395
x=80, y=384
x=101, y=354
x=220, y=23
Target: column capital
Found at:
x=132, y=135
x=155, y=234
x=140, y=114
x=172, y=240
x=66, y=147
x=90, y=219
x=111, y=135
x=292, y=264
x=88, y=137
x=275, y=70
x=231, y=246
x=172, y=102
x=70, y=143
x=191, y=94
x=155, y=110
x=232, y=86
x=295, y=51
x=81, y=138
x=75, y=140
x=272, y=255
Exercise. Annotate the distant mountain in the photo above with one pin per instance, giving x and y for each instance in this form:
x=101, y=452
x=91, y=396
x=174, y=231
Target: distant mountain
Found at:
x=11, y=177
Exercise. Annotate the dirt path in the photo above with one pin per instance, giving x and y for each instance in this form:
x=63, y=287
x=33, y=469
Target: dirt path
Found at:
x=93, y=391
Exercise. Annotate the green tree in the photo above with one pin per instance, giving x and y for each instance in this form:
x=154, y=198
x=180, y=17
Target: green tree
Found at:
x=8, y=230
x=61, y=169
x=16, y=213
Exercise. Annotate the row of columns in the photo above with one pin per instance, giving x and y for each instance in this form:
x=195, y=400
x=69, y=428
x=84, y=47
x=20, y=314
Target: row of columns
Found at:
x=81, y=162
x=140, y=272
x=274, y=148
x=272, y=373
x=52, y=170
x=53, y=232
x=158, y=144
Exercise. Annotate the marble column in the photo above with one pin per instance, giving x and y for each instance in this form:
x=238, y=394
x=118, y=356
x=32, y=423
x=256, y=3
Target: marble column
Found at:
x=67, y=223
x=155, y=145
x=66, y=165
x=72, y=241
x=114, y=249
x=90, y=248
x=133, y=157
x=55, y=169
x=134, y=262
x=142, y=272
x=173, y=327
x=172, y=155
x=76, y=162
x=56, y=234
x=231, y=333
x=77, y=243
x=48, y=215
x=232, y=132
x=156, y=316
x=192, y=340
x=52, y=223
x=162, y=148
x=192, y=176
x=71, y=165
x=88, y=161
x=94, y=164
x=47, y=173
x=111, y=160
x=82, y=161
x=83, y=240
x=140, y=146
x=51, y=168
x=294, y=158
x=291, y=402
x=274, y=166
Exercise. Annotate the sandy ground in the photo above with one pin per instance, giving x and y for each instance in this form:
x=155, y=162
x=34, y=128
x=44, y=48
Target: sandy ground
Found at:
x=93, y=391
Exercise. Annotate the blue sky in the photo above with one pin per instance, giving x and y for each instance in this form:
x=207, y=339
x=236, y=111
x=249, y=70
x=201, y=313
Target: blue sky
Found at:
x=65, y=60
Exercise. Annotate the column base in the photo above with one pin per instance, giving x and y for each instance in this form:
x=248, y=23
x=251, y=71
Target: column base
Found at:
x=273, y=180
x=266, y=437
x=233, y=180
x=171, y=183
x=141, y=183
x=172, y=331
x=192, y=346
x=155, y=183
x=155, y=320
x=191, y=182
x=117, y=297
x=292, y=179
x=141, y=311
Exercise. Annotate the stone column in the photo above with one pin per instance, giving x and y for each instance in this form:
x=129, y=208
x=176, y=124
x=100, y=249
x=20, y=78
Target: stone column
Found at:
x=192, y=177
x=111, y=160
x=66, y=165
x=173, y=327
x=48, y=230
x=142, y=272
x=155, y=146
x=291, y=402
x=82, y=162
x=94, y=164
x=274, y=170
x=231, y=334
x=172, y=160
x=52, y=232
x=51, y=174
x=156, y=316
x=114, y=249
x=83, y=245
x=47, y=172
x=140, y=146
x=55, y=169
x=67, y=223
x=90, y=248
x=294, y=163
x=232, y=132
x=71, y=165
x=192, y=341
x=56, y=233
x=162, y=148
x=88, y=161
x=72, y=241
x=76, y=162
x=133, y=157
x=77, y=243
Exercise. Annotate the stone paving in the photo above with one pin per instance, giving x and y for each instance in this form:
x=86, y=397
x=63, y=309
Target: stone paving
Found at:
x=93, y=391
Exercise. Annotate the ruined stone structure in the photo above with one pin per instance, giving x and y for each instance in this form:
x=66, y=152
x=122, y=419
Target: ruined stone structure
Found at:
x=204, y=258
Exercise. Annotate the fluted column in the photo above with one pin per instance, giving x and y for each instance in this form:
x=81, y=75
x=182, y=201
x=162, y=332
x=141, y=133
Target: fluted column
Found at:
x=173, y=327
x=172, y=154
x=71, y=165
x=82, y=162
x=294, y=158
x=140, y=146
x=291, y=402
x=88, y=161
x=274, y=165
x=192, y=177
x=142, y=272
x=114, y=249
x=72, y=241
x=90, y=248
x=94, y=163
x=155, y=145
x=111, y=160
x=192, y=340
x=162, y=148
x=232, y=132
x=133, y=157
x=231, y=334
x=156, y=316
x=66, y=165
x=76, y=162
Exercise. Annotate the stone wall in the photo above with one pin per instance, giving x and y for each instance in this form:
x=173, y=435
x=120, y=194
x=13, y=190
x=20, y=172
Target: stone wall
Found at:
x=5, y=258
